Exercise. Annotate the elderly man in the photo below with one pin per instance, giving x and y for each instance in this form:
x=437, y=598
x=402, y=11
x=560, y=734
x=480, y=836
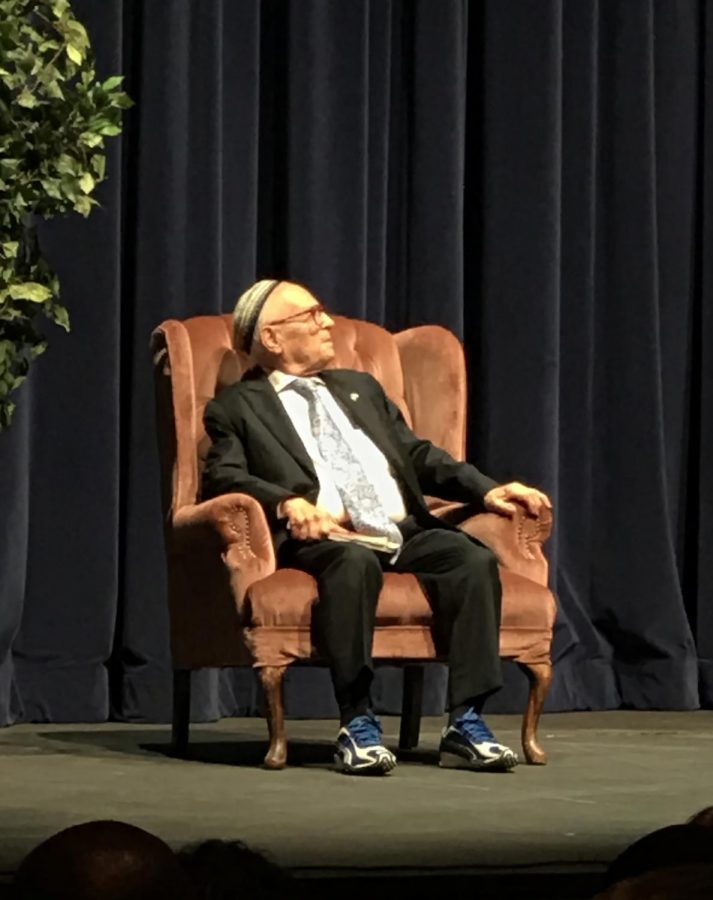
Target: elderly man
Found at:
x=341, y=478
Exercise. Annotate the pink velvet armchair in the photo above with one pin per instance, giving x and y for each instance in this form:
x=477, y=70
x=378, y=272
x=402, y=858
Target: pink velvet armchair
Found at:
x=230, y=606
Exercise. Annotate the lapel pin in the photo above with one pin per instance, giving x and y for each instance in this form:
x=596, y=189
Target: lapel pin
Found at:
x=354, y=396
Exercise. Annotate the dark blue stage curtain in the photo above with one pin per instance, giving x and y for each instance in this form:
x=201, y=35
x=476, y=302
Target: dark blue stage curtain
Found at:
x=537, y=176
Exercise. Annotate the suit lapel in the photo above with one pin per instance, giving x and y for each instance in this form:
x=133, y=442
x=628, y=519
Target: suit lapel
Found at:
x=362, y=412
x=267, y=406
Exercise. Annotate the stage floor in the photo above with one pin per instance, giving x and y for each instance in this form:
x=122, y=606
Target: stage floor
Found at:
x=611, y=778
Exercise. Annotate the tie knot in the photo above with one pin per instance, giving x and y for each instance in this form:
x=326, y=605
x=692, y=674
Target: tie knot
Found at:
x=306, y=387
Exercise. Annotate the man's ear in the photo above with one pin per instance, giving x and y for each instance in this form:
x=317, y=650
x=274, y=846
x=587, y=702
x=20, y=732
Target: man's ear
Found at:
x=269, y=340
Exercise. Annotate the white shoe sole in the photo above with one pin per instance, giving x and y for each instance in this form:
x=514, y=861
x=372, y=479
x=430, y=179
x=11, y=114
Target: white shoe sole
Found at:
x=383, y=767
x=503, y=763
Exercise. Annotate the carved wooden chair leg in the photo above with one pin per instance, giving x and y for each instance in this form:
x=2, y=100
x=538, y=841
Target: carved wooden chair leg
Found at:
x=540, y=677
x=271, y=678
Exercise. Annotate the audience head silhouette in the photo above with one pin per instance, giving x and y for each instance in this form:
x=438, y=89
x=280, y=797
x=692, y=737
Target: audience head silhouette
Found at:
x=676, y=883
x=704, y=818
x=675, y=845
x=102, y=860
x=226, y=870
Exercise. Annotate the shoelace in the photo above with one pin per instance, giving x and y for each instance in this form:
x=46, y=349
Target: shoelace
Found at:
x=365, y=730
x=476, y=729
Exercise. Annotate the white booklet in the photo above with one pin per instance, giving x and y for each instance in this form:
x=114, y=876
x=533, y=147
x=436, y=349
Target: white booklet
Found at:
x=371, y=541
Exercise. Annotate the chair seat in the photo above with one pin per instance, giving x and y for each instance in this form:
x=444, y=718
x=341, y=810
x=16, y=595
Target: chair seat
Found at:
x=286, y=598
x=283, y=602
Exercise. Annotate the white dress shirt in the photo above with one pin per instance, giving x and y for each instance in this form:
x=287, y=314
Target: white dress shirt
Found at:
x=372, y=459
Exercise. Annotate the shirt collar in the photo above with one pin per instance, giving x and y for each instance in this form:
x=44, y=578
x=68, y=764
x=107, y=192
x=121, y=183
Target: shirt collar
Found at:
x=281, y=380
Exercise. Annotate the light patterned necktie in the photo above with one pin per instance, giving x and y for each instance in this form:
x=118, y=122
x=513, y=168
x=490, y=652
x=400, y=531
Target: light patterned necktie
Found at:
x=358, y=492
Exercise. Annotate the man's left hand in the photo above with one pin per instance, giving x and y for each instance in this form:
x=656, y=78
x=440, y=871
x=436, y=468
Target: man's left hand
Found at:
x=505, y=499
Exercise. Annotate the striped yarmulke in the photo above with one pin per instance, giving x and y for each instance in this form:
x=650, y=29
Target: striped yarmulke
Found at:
x=247, y=312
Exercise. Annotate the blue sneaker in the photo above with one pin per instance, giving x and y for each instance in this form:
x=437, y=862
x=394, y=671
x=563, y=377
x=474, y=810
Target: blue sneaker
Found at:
x=469, y=744
x=360, y=750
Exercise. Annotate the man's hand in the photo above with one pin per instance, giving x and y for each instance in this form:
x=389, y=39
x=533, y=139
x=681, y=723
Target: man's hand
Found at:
x=505, y=498
x=307, y=522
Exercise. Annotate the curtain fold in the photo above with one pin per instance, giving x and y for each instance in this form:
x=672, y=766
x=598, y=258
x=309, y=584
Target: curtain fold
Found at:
x=699, y=513
x=535, y=176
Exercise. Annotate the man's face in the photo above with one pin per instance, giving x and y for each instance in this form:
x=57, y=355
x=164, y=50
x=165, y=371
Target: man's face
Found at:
x=296, y=330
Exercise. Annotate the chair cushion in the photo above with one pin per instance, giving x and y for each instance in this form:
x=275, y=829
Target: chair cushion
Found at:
x=285, y=599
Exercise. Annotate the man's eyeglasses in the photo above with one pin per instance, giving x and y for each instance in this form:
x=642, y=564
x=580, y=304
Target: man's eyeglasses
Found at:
x=316, y=313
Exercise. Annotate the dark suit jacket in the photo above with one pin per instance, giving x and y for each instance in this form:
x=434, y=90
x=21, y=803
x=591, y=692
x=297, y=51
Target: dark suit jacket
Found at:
x=257, y=451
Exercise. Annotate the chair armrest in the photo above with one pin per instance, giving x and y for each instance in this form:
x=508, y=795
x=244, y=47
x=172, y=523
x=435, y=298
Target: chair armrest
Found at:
x=517, y=541
x=232, y=527
x=216, y=550
x=233, y=519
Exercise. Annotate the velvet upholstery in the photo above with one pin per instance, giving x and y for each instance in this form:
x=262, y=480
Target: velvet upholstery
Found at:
x=228, y=603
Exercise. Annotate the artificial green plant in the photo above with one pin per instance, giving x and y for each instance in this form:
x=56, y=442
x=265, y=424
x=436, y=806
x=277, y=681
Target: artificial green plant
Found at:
x=54, y=118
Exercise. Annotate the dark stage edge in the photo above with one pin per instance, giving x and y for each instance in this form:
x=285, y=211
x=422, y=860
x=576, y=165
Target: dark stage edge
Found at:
x=539, y=831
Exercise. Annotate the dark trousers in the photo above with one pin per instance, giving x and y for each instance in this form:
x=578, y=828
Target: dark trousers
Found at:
x=460, y=579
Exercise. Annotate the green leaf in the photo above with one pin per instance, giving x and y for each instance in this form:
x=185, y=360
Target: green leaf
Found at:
x=121, y=101
x=51, y=188
x=68, y=186
x=27, y=99
x=67, y=165
x=87, y=183
x=89, y=139
x=75, y=54
x=7, y=408
x=10, y=249
x=78, y=34
x=26, y=63
x=54, y=90
x=110, y=130
x=83, y=206
x=112, y=82
x=60, y=315
x=29, y=290
x=60, y=7
x=98, y=163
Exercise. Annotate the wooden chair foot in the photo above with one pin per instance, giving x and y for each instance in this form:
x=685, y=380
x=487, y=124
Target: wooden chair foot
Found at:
x=272, y=679
x=540, y=678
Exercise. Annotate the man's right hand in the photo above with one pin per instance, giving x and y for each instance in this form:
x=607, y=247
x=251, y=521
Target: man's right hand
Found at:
x=307, y=522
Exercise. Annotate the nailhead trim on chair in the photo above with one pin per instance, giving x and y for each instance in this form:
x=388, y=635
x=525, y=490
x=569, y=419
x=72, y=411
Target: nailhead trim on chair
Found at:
x=242, y=532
